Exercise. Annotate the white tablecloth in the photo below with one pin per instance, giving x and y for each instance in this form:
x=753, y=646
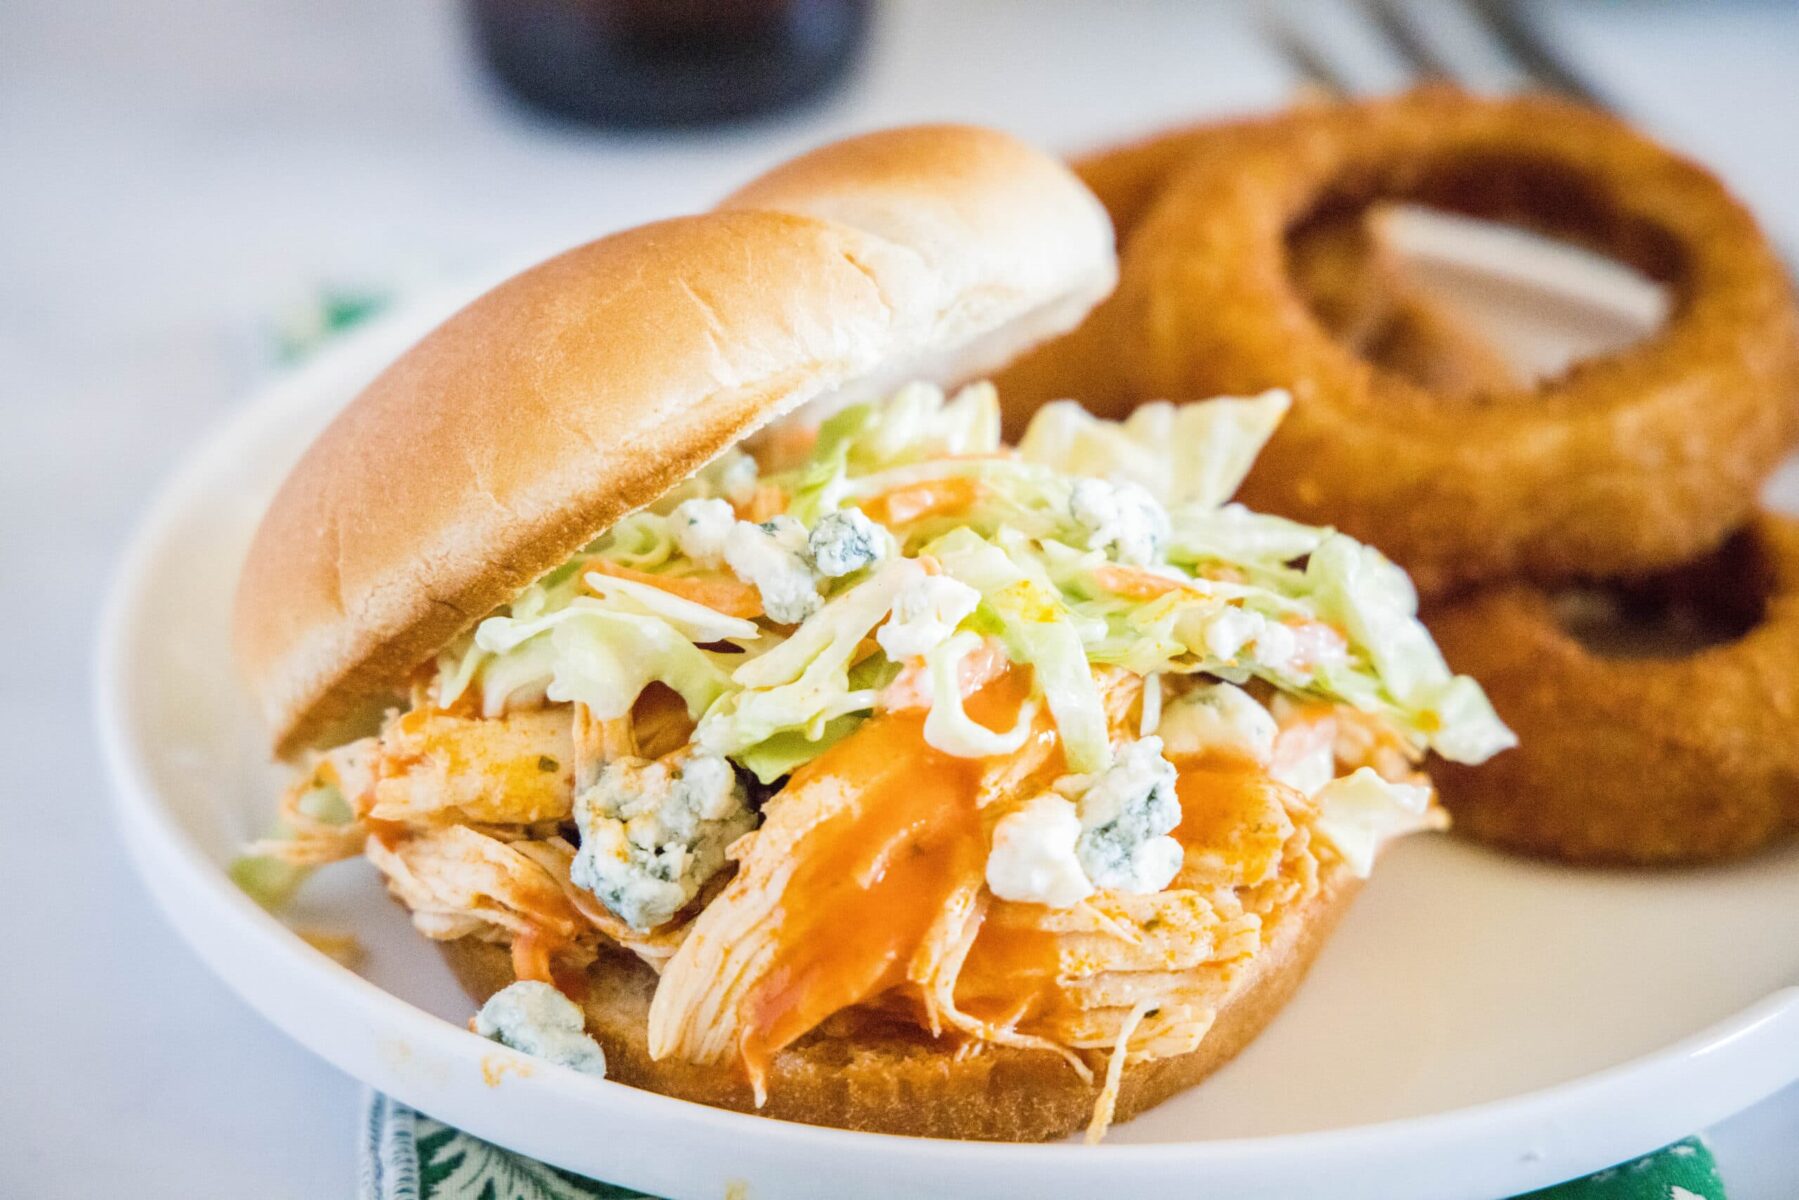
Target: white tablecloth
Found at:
x=171, y=174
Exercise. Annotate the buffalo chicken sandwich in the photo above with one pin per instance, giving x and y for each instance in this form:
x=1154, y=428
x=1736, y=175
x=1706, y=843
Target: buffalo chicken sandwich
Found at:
x=749, y=723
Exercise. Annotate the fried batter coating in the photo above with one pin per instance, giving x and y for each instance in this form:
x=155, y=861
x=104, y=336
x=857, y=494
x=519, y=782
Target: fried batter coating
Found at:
x=1629, y=462
x=1643, y=760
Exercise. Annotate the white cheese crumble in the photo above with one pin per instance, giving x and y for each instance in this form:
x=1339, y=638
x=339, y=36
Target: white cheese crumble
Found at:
x=652, y=835
x=844, y=542
x=1218, y=718
x=1233, y=633
x=734, y=476
x=925, y=613
x=700, y=528
x=534, y=1018
x=1120, y=518
x=1361, y=812
x=1310, y=771
x=1226, y=634
x=769, y=557
x=1126, y=811
x=1033, y=858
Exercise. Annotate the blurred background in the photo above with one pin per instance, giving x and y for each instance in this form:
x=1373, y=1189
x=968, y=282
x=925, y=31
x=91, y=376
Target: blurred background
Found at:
x=191, y=191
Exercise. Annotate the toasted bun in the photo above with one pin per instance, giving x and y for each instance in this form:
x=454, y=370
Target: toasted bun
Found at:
x=908, y=1083
x=584, y=388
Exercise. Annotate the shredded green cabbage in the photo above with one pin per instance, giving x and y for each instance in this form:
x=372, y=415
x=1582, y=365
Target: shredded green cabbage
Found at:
x=804, y=683
x=790, y=749
x=1184, y=454
x=1074, y=569
x=1037, y=628
x=268, y=880
x=604, y=657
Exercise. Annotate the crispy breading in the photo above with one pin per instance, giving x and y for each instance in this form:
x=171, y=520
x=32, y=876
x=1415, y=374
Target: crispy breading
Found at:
x=1636, y=760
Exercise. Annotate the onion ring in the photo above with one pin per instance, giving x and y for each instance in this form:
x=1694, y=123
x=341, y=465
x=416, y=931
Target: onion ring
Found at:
x=1354, y=280
x=1629, y=462
x=1351, y=277
x=1646, y=759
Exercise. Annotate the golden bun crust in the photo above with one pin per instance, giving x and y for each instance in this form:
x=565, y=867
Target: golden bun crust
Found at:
x=585, y=387
x=903, y=1082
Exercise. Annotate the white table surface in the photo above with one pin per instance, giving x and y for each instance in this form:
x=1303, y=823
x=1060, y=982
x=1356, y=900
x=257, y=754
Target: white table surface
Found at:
x=174, y=174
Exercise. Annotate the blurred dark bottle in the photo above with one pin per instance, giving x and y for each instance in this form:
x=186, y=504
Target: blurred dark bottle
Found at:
x=647, y=63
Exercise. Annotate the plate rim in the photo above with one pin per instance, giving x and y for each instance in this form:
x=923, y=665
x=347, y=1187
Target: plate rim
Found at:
x=1516, y=1142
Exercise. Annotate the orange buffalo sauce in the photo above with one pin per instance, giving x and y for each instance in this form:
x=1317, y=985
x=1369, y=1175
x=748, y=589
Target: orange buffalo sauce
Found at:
x=873, y=877
x=1010, y=976
x=1219, y=798
x=1229, y=810
x=1235, y=821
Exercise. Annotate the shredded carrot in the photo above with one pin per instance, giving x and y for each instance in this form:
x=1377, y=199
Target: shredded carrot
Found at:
x=1134, y=583
x=785, y=445
x=531, y=958
x=1221, y=573
x=933, y=497
x=764, y=504
x=732, y=597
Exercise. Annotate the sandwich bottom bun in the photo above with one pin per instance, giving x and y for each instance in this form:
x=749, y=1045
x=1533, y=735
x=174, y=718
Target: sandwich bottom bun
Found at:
x=905, y=1082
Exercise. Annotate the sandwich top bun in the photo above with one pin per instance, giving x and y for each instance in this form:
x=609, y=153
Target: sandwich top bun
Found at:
x=586, y=387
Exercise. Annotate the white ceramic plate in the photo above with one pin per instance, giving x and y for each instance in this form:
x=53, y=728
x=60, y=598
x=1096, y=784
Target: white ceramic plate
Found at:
x=1480, y=1026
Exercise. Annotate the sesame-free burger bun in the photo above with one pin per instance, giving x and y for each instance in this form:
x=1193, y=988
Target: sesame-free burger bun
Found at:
x=587, y=386
x=901, y=1080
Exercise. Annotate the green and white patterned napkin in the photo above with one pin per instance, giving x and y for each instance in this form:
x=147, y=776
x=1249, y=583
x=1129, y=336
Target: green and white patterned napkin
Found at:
x=408, y=1156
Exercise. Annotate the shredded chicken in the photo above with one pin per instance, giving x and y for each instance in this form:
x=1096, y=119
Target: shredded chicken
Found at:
x=654, y=947
x=457, y=882
x=319, y=811
x=1131, y=977
x=439, y=768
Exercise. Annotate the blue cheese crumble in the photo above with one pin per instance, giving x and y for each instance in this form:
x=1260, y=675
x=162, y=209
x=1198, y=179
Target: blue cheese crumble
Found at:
x=925, y=613
x=1033, y=859
x=769, y=557
x=652, y=834
x=1108, y=830
x=1126, y=812
x=1121, y=519
x=534, y=1018
x=700, y=528
x=1218, y=718
x=844, y=542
